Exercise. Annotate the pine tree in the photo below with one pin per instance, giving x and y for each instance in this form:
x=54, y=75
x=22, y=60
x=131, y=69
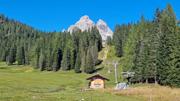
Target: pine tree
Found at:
x=11, y=58
x=73, y=58
x=20, y=57
x=94, y=52
x=59, y=59
x=166, y=55
x=42, y=61
x=36, y=55
x=77, y=68
x=90, y=67
x=118, y=45
x=109, y=41
x=83, y=60
x=66, y=63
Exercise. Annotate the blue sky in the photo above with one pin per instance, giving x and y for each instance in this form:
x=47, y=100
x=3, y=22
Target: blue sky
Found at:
x=54, y=15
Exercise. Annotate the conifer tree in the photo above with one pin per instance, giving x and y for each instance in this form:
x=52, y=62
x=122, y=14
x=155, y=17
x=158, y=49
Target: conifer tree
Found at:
x=42, y=61
x=66, y=63
x=166, y=54
x=90, y=67
x=77, y=68
x=20, y=57
x=11, y=58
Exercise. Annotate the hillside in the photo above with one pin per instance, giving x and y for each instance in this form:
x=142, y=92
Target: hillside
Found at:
x=109, y=59
x=27, y=84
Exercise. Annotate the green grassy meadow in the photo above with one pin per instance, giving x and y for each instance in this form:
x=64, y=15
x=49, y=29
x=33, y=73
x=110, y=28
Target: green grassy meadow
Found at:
x=22, y=83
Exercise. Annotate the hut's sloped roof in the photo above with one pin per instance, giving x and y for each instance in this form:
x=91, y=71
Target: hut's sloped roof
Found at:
x=97, y=76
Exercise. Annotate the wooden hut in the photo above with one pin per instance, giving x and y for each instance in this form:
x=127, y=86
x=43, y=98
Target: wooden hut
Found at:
x=97, y=81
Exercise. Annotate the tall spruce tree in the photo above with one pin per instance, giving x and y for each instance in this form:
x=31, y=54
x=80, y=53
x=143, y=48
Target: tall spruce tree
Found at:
x=166, y=55
x=66, y=63
x=20, y=57
x=11, y=58
x=77, y=68
x=42, y=61
x=89, y=67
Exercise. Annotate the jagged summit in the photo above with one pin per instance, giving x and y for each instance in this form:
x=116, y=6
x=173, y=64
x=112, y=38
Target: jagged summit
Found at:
x=104, y=29
x=84, y=17
x=85, y=23
x=101, y=21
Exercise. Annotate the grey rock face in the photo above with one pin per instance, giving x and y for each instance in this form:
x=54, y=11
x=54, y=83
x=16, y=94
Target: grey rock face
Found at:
x=85, y=23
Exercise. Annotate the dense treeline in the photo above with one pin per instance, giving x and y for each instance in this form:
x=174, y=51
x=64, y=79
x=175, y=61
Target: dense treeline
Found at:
x=151, y=49
x=55, y=51
x=16, y=40
x=65, y=51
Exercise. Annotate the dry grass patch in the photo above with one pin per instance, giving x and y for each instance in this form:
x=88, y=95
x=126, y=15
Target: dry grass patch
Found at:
x=151, y=93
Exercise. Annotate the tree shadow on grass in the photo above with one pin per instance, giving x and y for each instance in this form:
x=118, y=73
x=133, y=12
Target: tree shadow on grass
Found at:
x=98, y=69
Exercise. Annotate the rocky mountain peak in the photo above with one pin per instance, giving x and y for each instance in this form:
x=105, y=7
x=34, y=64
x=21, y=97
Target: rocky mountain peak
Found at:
x=85, y=17
x=100, y=21
x=85, y=23
x=104, y=29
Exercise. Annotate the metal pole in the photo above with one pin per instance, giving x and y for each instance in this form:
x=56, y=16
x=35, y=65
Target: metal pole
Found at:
x=115, y=70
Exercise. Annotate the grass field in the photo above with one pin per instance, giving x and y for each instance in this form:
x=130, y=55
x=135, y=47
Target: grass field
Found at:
x=22, y=83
